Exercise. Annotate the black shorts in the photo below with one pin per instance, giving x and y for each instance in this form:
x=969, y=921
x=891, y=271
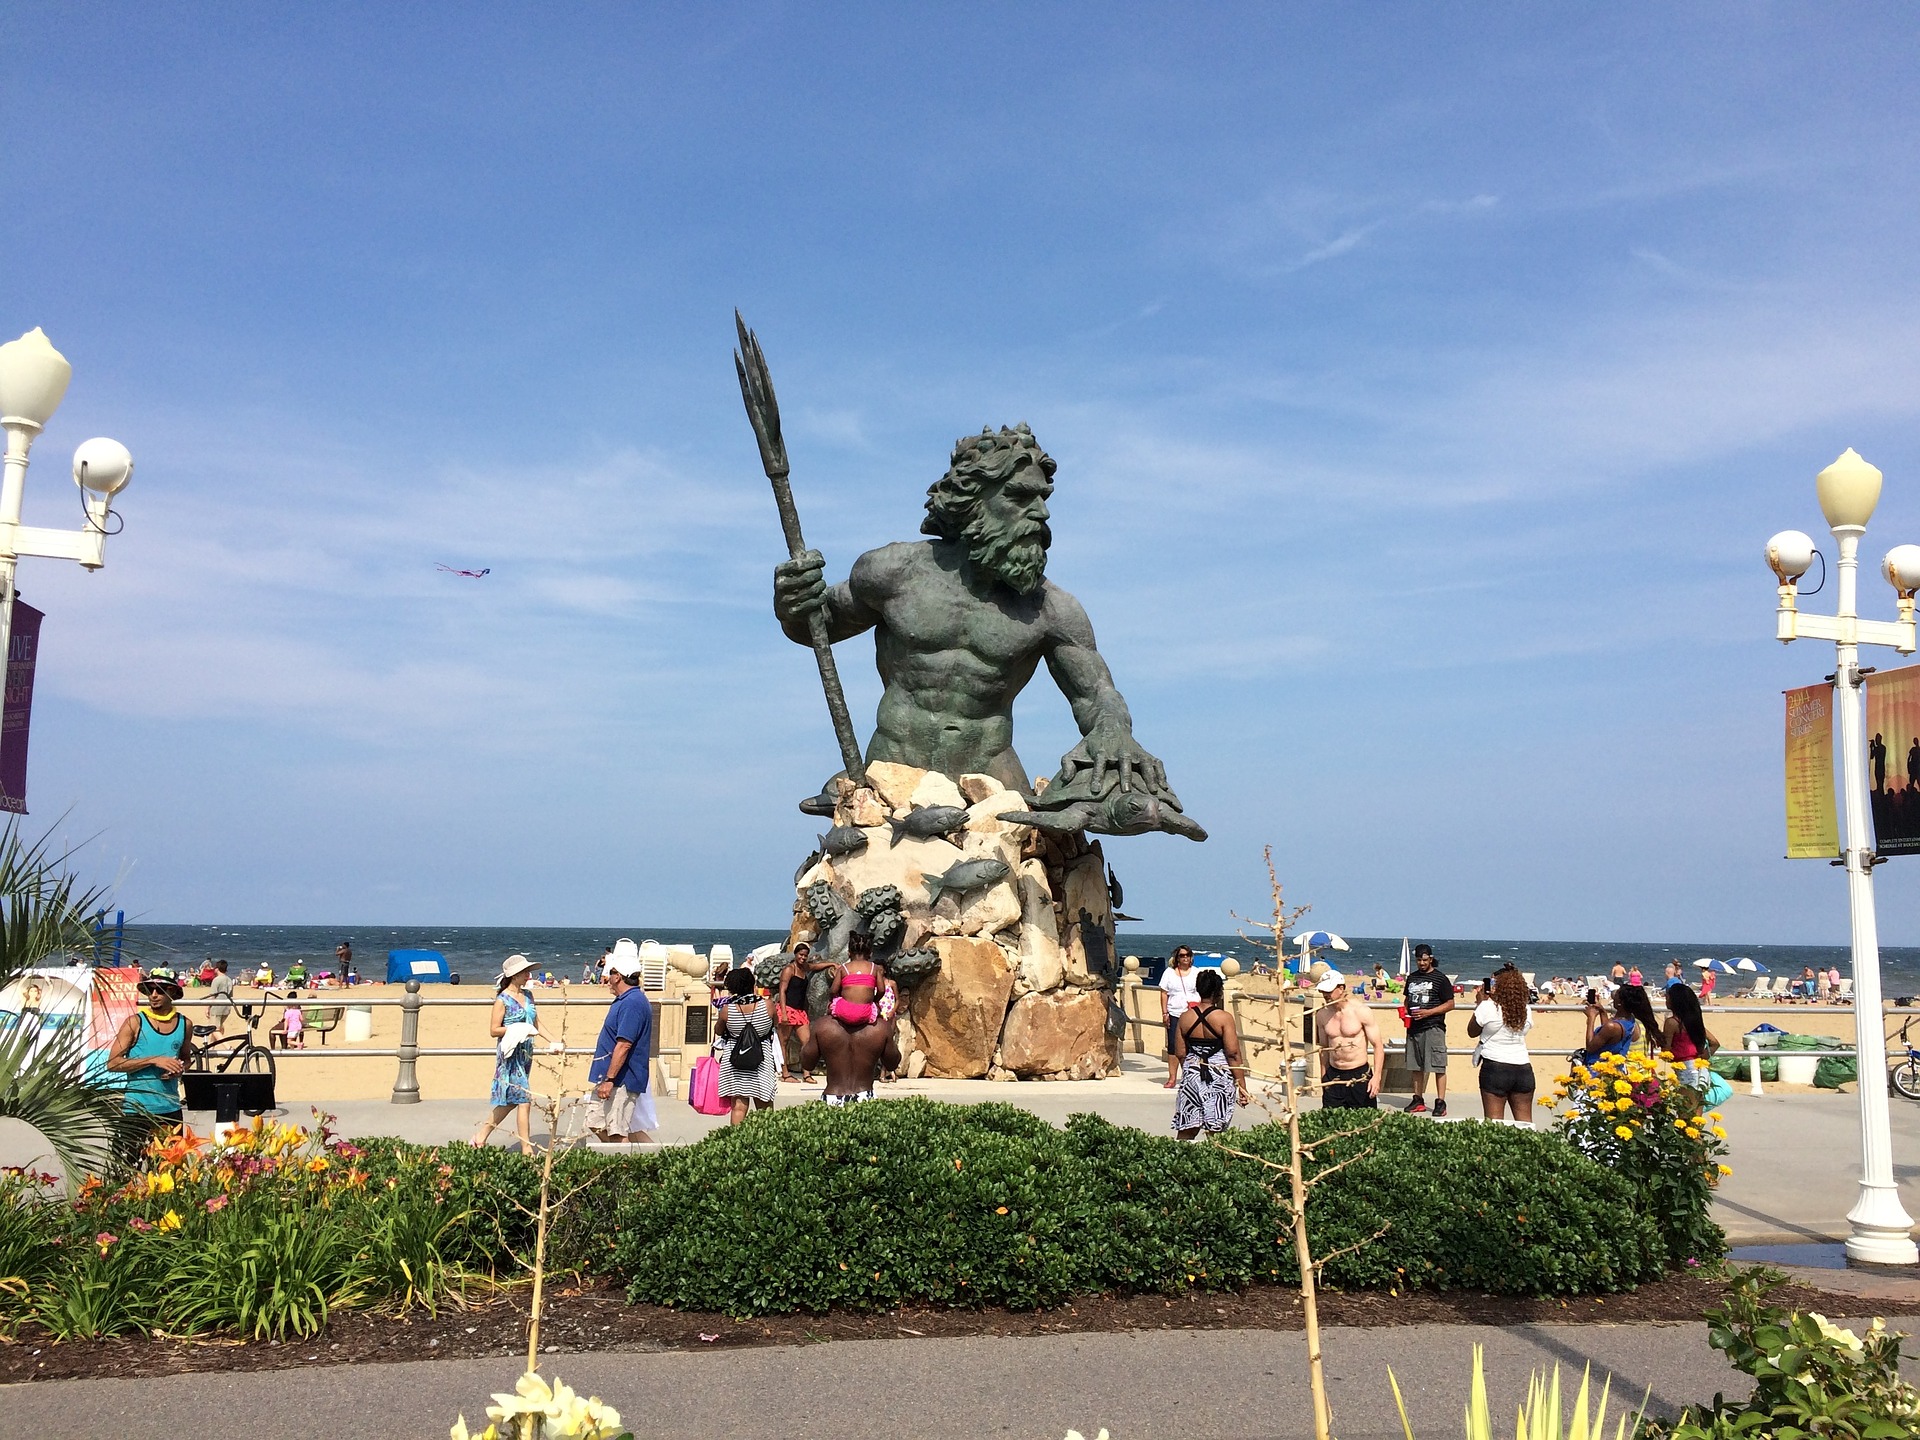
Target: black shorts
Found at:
x=1346, y=1089
x=1500, y=1078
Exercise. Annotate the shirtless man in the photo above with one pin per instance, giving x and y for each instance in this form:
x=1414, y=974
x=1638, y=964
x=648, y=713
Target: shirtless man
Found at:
x=960, y=624
x=1346, y=1031
x=852, y=1057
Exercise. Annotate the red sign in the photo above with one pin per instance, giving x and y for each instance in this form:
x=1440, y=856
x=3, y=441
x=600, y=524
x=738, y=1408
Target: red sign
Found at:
x=21, y=655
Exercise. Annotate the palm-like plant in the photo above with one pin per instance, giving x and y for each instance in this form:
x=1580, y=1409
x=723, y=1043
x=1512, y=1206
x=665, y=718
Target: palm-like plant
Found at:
x=45, y=1078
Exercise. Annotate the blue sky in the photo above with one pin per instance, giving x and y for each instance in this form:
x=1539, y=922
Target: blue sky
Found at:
x=1424, y=383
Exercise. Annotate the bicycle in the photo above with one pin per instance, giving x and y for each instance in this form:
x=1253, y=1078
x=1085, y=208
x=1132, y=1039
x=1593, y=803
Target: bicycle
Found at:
x=240, y=1053
x=1905, y=1075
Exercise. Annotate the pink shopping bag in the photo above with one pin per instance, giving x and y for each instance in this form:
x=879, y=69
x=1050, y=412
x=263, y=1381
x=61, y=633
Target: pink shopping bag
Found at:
x=704, y=1091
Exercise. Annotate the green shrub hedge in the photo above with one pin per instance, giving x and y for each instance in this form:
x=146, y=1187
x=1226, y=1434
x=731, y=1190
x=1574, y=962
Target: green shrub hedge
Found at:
x=809, y=1209
x=897, y=1201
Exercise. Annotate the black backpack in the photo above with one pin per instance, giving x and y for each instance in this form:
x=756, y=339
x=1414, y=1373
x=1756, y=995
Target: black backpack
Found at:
x=750, y=1047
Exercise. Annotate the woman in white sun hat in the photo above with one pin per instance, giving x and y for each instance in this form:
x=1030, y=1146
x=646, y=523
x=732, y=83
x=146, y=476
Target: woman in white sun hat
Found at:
x=516, y=1025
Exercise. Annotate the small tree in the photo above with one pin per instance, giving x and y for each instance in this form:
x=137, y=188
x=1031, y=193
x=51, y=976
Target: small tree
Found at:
x=1290, y=1183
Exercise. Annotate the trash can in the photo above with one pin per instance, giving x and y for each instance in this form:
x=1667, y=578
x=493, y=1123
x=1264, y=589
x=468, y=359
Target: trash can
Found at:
x=357, y=1023
x=1799, y=1067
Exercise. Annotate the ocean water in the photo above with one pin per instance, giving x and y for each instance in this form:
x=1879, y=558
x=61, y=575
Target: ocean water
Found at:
x=474, y=951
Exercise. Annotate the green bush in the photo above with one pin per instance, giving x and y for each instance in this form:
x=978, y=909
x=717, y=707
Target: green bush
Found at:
x=810, y=1209
x=1810, y=1377
x=889, y=1202
x=873, y=1205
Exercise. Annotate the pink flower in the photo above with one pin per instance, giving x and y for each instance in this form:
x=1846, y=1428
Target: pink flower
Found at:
x=143, y=1226
x=216, y=1204
x=103, y=1240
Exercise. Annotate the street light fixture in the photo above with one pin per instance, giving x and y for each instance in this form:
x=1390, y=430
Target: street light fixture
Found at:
x=33, y=381
x=1849, y=488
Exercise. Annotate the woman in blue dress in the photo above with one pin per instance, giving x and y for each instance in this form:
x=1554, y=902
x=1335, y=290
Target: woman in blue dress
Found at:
x=514, y=1011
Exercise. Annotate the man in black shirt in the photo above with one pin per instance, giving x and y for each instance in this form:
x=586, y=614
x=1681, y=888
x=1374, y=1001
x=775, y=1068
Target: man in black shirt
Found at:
x=1429, y=999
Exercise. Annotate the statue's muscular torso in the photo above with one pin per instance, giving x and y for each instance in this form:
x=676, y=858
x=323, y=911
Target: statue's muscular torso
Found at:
x=955, y=649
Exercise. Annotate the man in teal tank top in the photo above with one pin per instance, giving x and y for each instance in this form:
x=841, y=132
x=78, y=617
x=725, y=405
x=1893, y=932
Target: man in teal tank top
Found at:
x=151, y=1050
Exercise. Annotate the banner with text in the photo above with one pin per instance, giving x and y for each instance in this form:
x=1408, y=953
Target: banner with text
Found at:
x=21, y=655
x=1893, y=759
x=1813, y=830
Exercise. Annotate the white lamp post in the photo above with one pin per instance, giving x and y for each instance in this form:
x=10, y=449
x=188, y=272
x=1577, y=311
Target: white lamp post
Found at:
x=1849, y=488
x=33, y=381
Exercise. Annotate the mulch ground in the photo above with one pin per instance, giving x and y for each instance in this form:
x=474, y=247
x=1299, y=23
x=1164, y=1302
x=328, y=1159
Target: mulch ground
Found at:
x=599, y=1318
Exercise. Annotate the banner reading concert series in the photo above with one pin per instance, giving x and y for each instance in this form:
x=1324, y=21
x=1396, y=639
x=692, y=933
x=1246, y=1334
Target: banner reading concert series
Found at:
x=19, y=706
x=1893, y=759
x=1813, y=830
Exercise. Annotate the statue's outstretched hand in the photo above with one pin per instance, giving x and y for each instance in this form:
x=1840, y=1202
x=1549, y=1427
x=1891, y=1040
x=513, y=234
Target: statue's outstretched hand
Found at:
x=799, y=587
x=1110, y=750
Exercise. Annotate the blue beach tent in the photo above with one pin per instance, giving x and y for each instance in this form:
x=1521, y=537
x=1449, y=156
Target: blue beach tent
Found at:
x=426, y=966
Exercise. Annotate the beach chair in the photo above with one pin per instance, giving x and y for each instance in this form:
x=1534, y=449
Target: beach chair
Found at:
x=1762, y=988
x=323, y=1020
x=1844, y=995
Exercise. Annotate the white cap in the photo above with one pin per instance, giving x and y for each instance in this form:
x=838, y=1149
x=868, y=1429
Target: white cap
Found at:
x=511, y=966
x=1330, y=982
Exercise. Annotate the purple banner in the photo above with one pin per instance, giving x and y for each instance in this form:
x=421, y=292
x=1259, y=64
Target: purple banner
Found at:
x=21, y=655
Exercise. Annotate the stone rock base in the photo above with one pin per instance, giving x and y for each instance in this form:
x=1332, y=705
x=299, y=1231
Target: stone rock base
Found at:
x=1027, y=966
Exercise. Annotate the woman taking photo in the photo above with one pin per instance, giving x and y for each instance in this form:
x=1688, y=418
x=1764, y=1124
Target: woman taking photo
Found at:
x=1212, y=1074
x=513, y=1011
x=1500, y=1023
x=1630, y=1030
x=750, y=1053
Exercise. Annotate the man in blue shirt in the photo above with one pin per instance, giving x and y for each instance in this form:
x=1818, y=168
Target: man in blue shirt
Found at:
x=618, y=1106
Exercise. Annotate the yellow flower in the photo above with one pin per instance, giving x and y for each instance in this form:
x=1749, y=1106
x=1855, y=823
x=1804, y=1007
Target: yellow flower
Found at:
x=163, y=1183
x=1693, y=1134
x=1724, y=1169
x=168, y=1221
x=1718, y=1133
x=1623, y=1132
x=1679, y=1123
x=1621, y=1087
x=1833, y=1332
x=564, y=1415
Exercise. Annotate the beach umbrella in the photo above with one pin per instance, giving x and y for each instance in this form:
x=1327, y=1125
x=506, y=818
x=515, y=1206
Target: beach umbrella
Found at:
x=1406, y=957
x=1741, y=962
x=1719, y=967
x=1322, y=940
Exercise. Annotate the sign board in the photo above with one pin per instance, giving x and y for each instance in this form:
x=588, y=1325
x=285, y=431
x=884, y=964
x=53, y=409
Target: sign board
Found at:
x=1893, y=760
x=21, y=654
x=1813, y=829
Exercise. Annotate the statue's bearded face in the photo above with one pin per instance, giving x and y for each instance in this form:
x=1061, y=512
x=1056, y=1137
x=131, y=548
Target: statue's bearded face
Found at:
x=1007, y=534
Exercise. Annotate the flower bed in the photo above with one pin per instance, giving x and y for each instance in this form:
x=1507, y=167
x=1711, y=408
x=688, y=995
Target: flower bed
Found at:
x=1640, y=1120
x=812, y=1209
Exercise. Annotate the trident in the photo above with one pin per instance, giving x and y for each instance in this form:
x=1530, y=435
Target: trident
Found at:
x=756, y=389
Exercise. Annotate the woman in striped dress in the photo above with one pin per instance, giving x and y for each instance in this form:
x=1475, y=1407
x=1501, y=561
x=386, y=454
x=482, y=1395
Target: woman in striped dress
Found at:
x=743, y=1010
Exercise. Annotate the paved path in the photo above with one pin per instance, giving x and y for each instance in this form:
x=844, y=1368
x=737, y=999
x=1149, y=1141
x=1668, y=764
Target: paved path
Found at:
x=1160, y=1385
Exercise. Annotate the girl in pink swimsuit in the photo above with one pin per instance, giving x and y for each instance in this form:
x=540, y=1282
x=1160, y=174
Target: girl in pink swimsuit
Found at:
x=856, y=991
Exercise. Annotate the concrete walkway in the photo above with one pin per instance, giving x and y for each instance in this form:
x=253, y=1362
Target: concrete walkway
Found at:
x=1161, y=1385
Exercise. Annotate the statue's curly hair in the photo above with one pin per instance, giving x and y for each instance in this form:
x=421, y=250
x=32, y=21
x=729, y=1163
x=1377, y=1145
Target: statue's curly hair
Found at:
x=978, y=460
